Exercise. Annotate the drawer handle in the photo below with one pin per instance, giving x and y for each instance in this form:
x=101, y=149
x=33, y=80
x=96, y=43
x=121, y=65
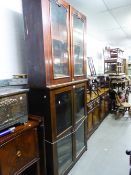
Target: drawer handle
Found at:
x=18, y=153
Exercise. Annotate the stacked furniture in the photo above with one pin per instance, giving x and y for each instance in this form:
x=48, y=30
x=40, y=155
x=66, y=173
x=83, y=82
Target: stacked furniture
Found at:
x=55, y=42
x=114, y=62
x=97, y=106
x=115, y=67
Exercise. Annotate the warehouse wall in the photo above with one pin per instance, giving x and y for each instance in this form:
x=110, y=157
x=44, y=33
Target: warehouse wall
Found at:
x=11, y=39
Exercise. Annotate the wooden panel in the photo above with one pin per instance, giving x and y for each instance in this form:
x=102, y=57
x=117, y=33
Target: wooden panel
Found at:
x=106, y=104
x=34, y=56
x=96, y=114
x=90, y=122
x=102, y=109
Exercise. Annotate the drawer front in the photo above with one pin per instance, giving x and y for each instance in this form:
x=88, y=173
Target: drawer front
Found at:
x=18, y=152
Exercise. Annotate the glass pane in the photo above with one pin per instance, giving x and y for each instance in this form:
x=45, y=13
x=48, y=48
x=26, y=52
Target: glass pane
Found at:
x=78, y=45
x=80, y=103
x=63, y=111
x=59, y=40
x=80, y=138
x=64, y=149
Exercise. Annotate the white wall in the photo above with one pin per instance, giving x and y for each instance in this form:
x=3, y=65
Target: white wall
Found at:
x=11, y=39
x=95, y=50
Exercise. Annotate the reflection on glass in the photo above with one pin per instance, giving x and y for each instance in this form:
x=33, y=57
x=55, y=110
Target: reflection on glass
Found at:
x=79, y=102
x=64, y=149
x=59, y=40
x=80, y=139
x=63, y=111
x=78, y=45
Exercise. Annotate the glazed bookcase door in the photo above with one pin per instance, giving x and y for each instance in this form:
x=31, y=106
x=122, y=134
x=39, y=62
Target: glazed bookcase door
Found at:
x=78, y=25
x=62, y=122
x=79, y=102
x=65, y=153
x=79, y=118
x=62, y=108
x=60, y=42
x=80, y=139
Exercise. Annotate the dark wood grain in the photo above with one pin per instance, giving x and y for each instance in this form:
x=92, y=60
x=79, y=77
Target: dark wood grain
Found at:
x=19, y=150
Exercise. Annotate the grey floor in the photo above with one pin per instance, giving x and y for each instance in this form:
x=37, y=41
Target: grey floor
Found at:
x=106, y=149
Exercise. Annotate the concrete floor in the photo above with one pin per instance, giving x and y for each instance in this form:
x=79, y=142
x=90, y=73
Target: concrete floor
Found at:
x=106, y=149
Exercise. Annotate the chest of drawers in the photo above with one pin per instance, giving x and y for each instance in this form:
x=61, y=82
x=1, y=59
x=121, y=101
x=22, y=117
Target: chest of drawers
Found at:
x=19, y=150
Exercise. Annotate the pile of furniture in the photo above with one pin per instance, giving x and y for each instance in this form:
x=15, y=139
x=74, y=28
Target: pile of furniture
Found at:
x=114, y=66
x=19, y=147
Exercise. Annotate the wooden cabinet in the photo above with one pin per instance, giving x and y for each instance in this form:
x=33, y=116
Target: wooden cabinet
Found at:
x=104, y=107
x=97, y=109
x=93, y=115
x=19, y=151
x=55, y=42
x=64, y=111
x=55, y=54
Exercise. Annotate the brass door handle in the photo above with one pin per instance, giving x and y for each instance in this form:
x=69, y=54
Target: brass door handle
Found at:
x=18, y=153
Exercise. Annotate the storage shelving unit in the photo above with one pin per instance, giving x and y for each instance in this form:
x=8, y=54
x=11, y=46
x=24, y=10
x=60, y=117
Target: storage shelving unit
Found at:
x=113, y=64
x=55, y=38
